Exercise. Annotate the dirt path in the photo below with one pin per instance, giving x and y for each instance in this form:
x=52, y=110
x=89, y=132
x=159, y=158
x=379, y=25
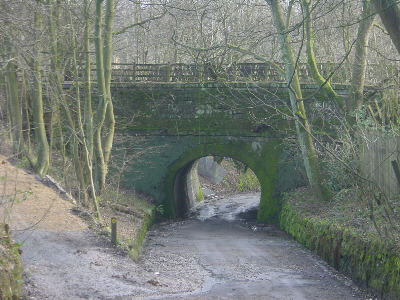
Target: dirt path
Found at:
x=63, y=259
x=209, y=256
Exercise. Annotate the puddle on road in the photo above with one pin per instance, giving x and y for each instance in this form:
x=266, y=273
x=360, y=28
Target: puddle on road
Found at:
x=230, y=208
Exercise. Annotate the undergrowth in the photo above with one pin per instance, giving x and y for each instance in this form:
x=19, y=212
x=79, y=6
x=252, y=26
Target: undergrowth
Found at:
x=349, y=208
x=10, y=266
x=239, y=178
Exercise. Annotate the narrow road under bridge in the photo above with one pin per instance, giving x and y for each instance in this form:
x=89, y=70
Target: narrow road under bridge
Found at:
x=239, y=260
x=211, y=255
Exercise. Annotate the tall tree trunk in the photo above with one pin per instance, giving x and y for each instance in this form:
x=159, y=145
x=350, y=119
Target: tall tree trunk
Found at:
x=389, y=12
x=86, y=155
x=15, y=107
x=79, y=133
x=26, y=113
x=41, y=165
x=108, y=54
x=104, y=114
x=88, y=112
x=303, y=129
x=326, y=87
x=101, y=168
x=59, y=94
x=54, y=17
x=355, y=96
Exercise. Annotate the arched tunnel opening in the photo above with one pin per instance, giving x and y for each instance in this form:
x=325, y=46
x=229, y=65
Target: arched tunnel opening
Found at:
x=262, y=158
x=227, y=185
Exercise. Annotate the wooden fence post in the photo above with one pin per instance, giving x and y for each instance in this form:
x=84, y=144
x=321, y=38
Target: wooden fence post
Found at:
x=396, y=170
x=114, y=231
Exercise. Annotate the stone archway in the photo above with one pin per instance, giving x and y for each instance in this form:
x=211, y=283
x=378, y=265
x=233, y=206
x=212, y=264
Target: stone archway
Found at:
x=262, y=158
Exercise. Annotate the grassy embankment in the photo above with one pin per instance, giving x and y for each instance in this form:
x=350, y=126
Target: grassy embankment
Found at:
x=342, y=233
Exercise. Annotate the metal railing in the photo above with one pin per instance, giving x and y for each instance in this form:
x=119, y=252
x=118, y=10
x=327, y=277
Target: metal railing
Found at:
x=199, y=73
x=242, y=72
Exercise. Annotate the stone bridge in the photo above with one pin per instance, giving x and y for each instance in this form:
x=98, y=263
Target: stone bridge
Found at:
x=164, y=128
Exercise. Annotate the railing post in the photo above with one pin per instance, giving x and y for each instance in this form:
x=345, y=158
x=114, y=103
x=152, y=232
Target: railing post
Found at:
x=200, y=69
x=134, y=72
x=168, y=73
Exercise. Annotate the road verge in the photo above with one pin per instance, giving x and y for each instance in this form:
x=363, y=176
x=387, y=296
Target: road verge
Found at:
x=10, y=266
x=370, y=262
x=135, y=246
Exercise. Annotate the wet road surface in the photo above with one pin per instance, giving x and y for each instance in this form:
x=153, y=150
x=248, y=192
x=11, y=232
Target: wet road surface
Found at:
x=244, y=261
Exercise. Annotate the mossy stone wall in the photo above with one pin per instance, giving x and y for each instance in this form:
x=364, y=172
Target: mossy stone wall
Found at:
x=367, y=260
x=136, y=246
x=193, y=187
x=234, y=109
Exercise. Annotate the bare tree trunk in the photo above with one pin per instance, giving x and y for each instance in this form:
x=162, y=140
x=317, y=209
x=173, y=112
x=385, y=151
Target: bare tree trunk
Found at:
x=101, y=169
x=27, y=113
x=15, y=107
x=108, y=54
x=389, y=12
x=86, y=156
x=79, y=133
x=355, y=96
x=41, y=165
x=105, y=114
x=55, y=77
x=316, y=75
x=8, y=114
x=59, y=94
x=54, y=15
x=88, y=112
x=303, y=129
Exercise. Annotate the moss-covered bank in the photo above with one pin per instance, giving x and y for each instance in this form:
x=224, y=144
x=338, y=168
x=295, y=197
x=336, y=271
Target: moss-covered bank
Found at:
x=135, y=246
x=10, y=267
x=367, y=260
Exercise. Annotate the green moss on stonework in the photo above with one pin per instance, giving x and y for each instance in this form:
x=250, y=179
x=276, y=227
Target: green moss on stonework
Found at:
x=369, y=261
x=136, y=246
x=227, y=109
x=213, y=125
x=263, y=159
x=199, y=195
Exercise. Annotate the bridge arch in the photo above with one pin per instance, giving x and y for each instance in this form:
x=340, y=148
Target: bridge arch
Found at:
x=261, y=157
